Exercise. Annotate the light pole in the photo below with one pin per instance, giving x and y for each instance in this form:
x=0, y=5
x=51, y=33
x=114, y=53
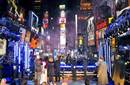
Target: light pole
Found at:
x=76, y=31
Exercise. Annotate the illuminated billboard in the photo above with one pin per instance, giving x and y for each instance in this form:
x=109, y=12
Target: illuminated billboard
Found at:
x=3, y=43
x=91, y=32
x=62, y=20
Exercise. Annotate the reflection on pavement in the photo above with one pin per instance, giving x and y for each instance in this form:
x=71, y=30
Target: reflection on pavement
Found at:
x=78, y=82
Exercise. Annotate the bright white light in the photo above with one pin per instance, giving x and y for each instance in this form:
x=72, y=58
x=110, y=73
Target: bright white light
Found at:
x=44, y=63
x=119, y=12
x=95, y=55
x=38, y=57
x=62, y=6
x=72, y=53
x=128, y=29
x=63, y=63
x=62, y=40
x=125, y=47
x=51, y=18
x=26, y=56
x=14, y=67
x=62, y=14
x=122, y=35
x=48, y=37
x=28, y=69
x=42, y=30
x=116, y=1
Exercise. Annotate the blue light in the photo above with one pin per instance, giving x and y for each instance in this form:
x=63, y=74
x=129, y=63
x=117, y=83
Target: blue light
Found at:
x=78, y=66
x=91, y=66
x=26, y=56
x=19, y=57
x=8, y=79
x=66, y=66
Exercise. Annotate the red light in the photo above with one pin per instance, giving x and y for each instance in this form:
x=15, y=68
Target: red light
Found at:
x=45, y=26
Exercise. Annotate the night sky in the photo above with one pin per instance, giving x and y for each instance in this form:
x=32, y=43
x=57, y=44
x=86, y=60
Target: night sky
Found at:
x=26, y=4
x=51, y=5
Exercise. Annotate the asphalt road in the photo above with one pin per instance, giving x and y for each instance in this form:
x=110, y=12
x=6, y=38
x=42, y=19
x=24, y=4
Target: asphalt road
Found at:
x=78, y=82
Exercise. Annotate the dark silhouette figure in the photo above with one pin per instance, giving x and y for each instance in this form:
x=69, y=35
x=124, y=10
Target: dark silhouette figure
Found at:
x=57, y=69
x=74, y=69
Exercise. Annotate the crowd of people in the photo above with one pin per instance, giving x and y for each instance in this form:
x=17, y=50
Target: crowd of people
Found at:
x=53, y=71
x=48, y=70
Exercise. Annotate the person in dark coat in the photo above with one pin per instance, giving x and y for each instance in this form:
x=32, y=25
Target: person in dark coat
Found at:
x=51, y=69
x=68, y=58
x=102, y=72
x=118, y=71
x=57, y=69
x=74, y=69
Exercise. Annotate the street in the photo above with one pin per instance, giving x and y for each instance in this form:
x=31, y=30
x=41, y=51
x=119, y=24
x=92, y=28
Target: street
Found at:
x=64, y=42
x=79, y=82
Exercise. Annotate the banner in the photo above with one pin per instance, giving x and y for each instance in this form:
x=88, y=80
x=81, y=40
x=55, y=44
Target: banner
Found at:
x=91, y=32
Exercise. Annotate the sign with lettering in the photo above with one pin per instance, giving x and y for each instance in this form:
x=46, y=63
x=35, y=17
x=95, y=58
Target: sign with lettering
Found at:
x=101, y=25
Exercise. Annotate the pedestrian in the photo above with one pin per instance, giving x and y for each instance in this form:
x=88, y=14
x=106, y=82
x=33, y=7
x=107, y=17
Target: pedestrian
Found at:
x=51, y=69
x=74, y=69
x=38, y=70
x=3, y=81
x=85, y=67
x=68, y=59
x=57, y=69
x=118, y=72
x=43, y=79
x=102, y=72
